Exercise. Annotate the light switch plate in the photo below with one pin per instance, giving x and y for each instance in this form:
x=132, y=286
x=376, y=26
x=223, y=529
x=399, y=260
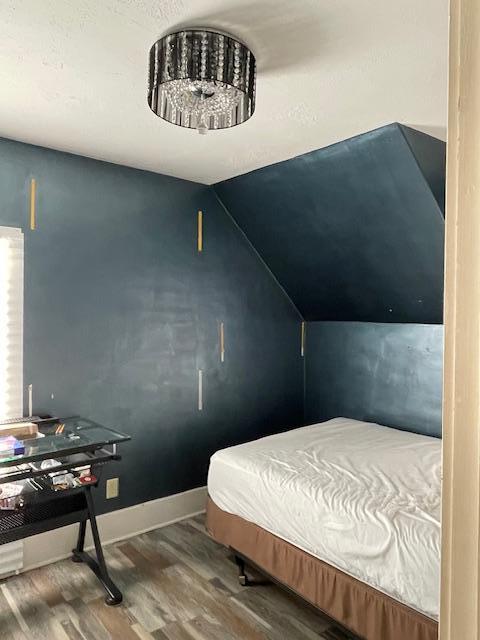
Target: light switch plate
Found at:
x=112, y=488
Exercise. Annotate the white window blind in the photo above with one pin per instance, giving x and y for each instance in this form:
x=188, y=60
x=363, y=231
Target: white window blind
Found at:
x=11, y=322
x=11, y=355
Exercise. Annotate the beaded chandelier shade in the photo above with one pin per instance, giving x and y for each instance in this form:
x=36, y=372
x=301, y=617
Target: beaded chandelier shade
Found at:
x=202, y=80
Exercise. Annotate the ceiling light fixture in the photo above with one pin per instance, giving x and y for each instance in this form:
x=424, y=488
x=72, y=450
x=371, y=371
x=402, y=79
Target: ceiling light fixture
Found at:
x=201, y=79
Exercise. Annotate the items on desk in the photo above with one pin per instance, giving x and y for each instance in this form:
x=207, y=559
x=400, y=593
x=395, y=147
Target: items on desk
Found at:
x=10, y=496
x=34, y=484
x=49, y=464
x=86, y=477
x=62, y=480
x=59, y=479
x=10, y=446
x=20, y=430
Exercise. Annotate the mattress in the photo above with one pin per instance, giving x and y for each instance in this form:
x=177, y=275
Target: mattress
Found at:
x=360, y=496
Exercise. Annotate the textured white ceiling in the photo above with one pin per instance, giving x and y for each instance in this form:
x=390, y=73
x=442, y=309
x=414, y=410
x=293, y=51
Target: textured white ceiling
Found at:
x=73, y=77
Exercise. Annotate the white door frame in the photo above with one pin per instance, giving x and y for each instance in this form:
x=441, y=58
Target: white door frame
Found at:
x=460, y=592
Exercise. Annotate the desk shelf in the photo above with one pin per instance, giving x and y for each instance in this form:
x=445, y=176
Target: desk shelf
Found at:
x=44, y=515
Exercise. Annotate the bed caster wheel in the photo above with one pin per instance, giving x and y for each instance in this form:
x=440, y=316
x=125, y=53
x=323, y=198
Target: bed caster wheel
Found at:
x=242, y=576
x=113, y=601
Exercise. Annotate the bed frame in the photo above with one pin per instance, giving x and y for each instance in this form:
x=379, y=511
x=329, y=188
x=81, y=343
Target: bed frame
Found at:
x=359, y=608
x=248, y=581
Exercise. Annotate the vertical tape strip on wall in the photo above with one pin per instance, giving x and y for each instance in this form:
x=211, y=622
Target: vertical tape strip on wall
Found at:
x=200, y=232
x=33, y=197
x=30, y=399
x=200, y=390
x=302, y=340
x=222, y=342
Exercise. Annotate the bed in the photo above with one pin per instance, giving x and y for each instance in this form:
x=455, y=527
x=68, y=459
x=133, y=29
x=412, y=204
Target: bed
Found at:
x=344, y=513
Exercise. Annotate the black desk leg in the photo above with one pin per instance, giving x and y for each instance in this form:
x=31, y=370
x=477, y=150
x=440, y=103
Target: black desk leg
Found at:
x=81, y=540
x=98, y=566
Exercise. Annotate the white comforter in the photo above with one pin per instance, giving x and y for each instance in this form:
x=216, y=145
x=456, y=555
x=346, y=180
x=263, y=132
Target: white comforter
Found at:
x=362, y=497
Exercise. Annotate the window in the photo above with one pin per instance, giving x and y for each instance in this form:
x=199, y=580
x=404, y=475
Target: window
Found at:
x=11, y=322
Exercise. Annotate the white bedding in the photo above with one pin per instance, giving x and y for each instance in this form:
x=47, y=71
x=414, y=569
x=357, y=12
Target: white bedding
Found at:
x=362, y=497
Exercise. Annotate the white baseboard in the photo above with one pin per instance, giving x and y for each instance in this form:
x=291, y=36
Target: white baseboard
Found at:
x=52, y=546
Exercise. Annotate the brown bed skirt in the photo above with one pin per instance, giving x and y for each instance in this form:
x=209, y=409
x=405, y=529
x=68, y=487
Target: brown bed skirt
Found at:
x=363, y=610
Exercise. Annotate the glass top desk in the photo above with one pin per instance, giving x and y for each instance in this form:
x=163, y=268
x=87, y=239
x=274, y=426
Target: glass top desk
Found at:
x=54, y=475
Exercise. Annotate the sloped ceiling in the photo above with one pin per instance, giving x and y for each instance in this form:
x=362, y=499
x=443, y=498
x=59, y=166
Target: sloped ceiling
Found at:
x=353, y=231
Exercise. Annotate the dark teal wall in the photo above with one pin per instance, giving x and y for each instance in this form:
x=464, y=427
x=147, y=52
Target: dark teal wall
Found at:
x=353, y=231
x=121, y=311
x=430, y=155
x=385, y=373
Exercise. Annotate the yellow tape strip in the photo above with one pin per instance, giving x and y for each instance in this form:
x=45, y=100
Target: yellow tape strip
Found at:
x=33, y=197
x=200, y=231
